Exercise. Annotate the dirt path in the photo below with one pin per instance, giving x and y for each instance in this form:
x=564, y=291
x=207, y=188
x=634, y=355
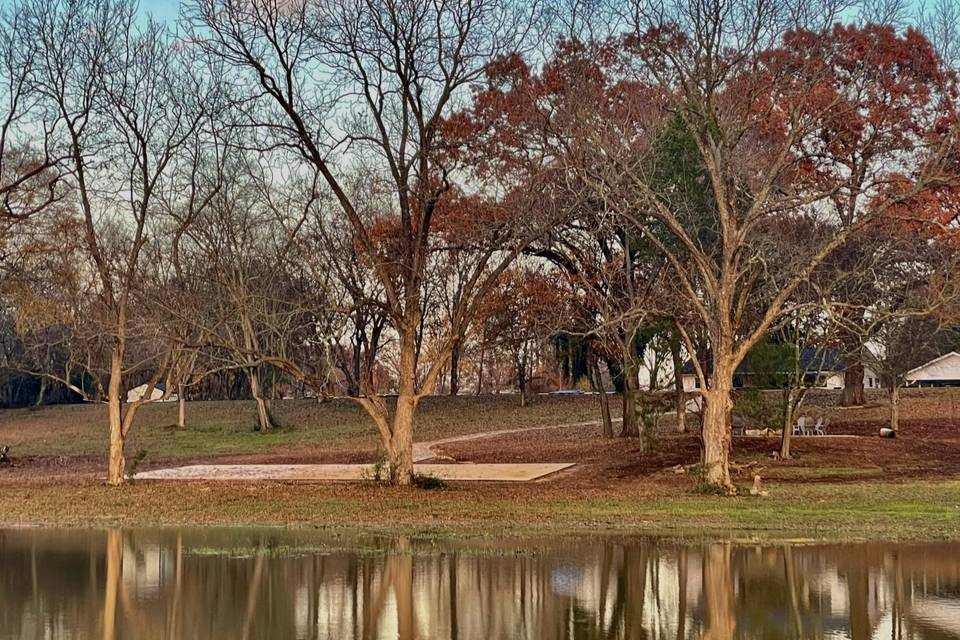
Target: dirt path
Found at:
x=424, y=450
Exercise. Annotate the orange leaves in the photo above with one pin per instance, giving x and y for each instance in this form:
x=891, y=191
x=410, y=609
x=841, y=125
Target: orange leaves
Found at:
x=932, y=213
x=523, y=120
x=524, y=304
x=463, y=218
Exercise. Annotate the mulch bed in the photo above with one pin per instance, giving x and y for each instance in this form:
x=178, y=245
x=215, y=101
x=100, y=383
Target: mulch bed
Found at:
x=924, y=449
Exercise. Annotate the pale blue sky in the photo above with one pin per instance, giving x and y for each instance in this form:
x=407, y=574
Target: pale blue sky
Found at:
x=169, y=9
x=165, y=9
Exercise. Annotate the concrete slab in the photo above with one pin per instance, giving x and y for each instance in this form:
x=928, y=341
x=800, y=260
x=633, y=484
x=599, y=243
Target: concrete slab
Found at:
x=353, y=472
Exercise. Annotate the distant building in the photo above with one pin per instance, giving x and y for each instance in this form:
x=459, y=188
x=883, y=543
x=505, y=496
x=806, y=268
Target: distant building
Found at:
x=943, y=371
x=828, y=374
x=140, y=393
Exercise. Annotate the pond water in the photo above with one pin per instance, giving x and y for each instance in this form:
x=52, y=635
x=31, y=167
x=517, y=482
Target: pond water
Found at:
x=252, y=583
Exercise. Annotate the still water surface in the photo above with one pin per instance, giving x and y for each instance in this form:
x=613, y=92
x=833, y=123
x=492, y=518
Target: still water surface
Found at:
x=246, y=584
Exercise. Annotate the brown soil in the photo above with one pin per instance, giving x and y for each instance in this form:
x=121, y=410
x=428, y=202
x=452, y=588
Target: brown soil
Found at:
x=923, y=450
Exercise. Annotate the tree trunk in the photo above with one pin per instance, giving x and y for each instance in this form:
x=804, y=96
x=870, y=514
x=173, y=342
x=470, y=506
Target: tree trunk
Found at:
x=401, y=441
x=357, y=364
x=630, y=428
x=264, y=422
x=787, y=425
x=181, y=407
x=400, y=449
x=597, y=383
x=717, y=424
x=853, y=394
x=680, y=400
x=455, y=370
x=42, y=392
x=117, y=462
x=263, y=415
x=483, y=349
x=895, y=407
x=522, y=383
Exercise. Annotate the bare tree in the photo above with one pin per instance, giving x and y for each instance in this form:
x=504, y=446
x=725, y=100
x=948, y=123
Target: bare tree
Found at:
x=370, y=83
x=917, y=297
x=251, y=304
x=31, y=174
x=126, y=109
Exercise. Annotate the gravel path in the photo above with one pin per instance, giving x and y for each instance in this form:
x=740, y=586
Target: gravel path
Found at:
x=424, y=450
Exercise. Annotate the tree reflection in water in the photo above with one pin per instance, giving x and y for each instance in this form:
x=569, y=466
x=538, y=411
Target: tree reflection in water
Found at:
x=257, y=584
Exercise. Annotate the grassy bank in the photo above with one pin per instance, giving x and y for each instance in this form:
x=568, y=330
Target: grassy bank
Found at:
x=855, y=486
x=908, y=511
x=227, y=427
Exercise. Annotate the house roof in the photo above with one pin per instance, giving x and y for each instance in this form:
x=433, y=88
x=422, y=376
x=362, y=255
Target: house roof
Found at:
x=811, y=359
x=933, y=362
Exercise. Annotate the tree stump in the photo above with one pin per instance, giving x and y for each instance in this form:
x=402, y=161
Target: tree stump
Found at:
x=757, y=489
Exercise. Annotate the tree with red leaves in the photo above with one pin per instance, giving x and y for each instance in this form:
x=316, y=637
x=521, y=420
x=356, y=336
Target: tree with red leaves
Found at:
x=744, y=157
x=554, y=111
x=522, y=312
x=805, y=140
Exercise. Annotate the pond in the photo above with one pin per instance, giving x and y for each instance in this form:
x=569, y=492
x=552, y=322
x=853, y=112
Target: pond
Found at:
x=253, y=583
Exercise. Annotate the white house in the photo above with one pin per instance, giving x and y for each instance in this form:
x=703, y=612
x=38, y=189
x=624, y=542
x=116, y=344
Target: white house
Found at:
x=834, y=379
x=824, y=370
x=829, y=380
x=943, y=371
x=139, y=393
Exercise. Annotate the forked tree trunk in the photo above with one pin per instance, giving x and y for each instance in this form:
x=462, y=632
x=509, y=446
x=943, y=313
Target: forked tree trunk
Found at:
x=717, y=424
x=596, y=380
x=400, y=447
x=895, y=407
x=264, y=421
x=117, y=462
x=853, y=393
x=263, y=415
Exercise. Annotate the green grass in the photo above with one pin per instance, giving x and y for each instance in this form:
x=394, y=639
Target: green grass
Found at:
x=910, y=511
x=227, y=427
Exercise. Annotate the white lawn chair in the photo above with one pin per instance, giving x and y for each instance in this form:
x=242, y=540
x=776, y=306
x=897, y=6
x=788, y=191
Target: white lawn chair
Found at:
x=819, y=428
x=800, y=426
